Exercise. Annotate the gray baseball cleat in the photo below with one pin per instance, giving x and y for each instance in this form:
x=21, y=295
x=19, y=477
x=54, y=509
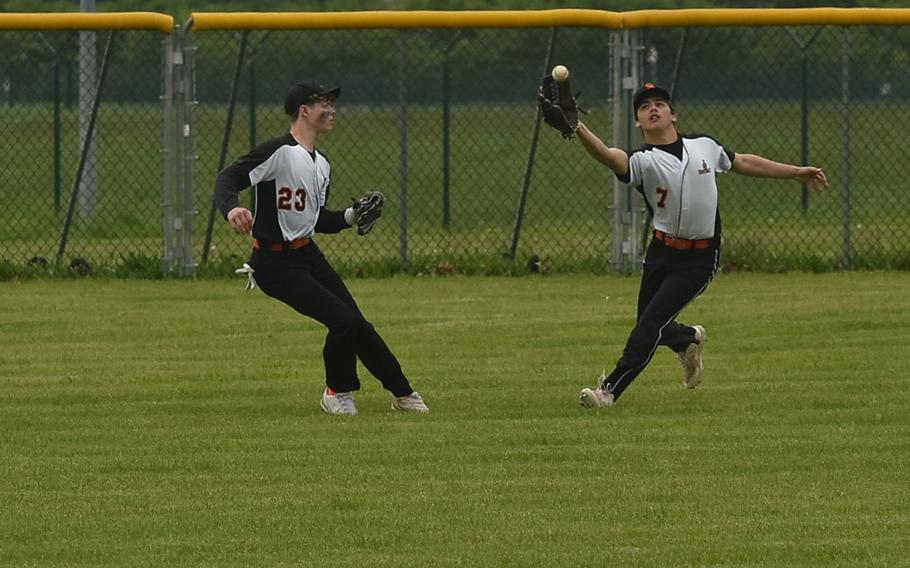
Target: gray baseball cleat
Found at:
x=691, y=359
x=411, y=403
x=338, y=403
x=597, y=397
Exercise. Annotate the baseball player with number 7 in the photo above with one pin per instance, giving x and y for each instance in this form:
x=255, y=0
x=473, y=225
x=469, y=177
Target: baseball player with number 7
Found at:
x=676, y=174
x=292, y=180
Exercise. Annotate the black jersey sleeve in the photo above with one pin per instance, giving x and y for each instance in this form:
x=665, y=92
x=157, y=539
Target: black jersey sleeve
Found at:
x=236, y=177
x=627, y=177
x=330, y=221
x=229, y=183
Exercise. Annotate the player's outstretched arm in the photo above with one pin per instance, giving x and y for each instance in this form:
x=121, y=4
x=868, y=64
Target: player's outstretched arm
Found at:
x=614, y=158
x=758, y=166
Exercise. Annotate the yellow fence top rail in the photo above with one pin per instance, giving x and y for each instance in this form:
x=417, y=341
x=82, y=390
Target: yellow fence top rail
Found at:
x=551, y=18
x=767, y=17
x=87, y=21
x=406, y=19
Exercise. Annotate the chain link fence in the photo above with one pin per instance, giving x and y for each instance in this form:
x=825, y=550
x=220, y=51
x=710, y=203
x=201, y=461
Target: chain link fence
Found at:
x=829, y=96
x=72, y=206
x=443, y=120
x=435, y=120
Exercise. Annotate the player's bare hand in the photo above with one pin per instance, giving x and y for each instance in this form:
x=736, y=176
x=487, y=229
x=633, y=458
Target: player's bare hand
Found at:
x=241, y=220
x=813, y=177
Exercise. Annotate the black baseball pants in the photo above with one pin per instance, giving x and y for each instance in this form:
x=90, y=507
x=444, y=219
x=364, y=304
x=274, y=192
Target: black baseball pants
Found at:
x=670, y=281
x=303, y=279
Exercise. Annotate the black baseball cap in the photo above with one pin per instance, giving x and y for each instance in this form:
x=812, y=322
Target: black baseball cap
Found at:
x=303, y=93
x=647, y=91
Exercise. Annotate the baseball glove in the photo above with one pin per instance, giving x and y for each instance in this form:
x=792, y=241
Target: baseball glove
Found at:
x=367, y=210
x=557, y=105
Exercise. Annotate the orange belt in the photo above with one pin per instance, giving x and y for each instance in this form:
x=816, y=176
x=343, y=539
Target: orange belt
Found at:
x=682, y=244
x=278, y=247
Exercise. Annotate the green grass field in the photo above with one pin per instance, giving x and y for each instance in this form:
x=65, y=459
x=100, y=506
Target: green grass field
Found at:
x=177, y=424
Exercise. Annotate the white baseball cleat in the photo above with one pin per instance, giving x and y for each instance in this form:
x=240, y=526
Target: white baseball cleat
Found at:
x=597, y=397
x=338, y=403
x=691, y=359
x=411, y=403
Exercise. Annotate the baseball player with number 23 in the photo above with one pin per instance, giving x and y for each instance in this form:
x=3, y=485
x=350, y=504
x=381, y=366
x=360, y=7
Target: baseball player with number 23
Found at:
x=676, y=175
x=292, y=180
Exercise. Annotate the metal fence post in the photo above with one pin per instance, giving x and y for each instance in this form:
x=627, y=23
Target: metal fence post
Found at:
x=88, y=85
x=804, y=104
x=168, y=135
x=87, y=145
x=226, y=139
x=403, y=262
x=626, y=64
x=56, y=97
x=616, y=98
x=532, y=152
x=446, y=50
x=636, y=210
x=185, y=102
x=251, y=75
x=847, y=147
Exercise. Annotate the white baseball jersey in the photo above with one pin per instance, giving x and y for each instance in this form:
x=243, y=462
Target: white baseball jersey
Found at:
x=292, y=186
x=678, y=183
x=300, y=182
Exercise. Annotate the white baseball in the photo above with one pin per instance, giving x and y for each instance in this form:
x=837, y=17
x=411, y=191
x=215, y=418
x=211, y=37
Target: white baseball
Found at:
x=560, y=73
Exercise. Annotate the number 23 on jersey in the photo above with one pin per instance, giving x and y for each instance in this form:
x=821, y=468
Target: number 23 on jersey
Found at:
x=288, y=198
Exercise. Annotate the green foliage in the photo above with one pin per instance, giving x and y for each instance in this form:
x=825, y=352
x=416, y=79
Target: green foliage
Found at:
x=138, y=266
x=221, y=266
x=7, y=270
